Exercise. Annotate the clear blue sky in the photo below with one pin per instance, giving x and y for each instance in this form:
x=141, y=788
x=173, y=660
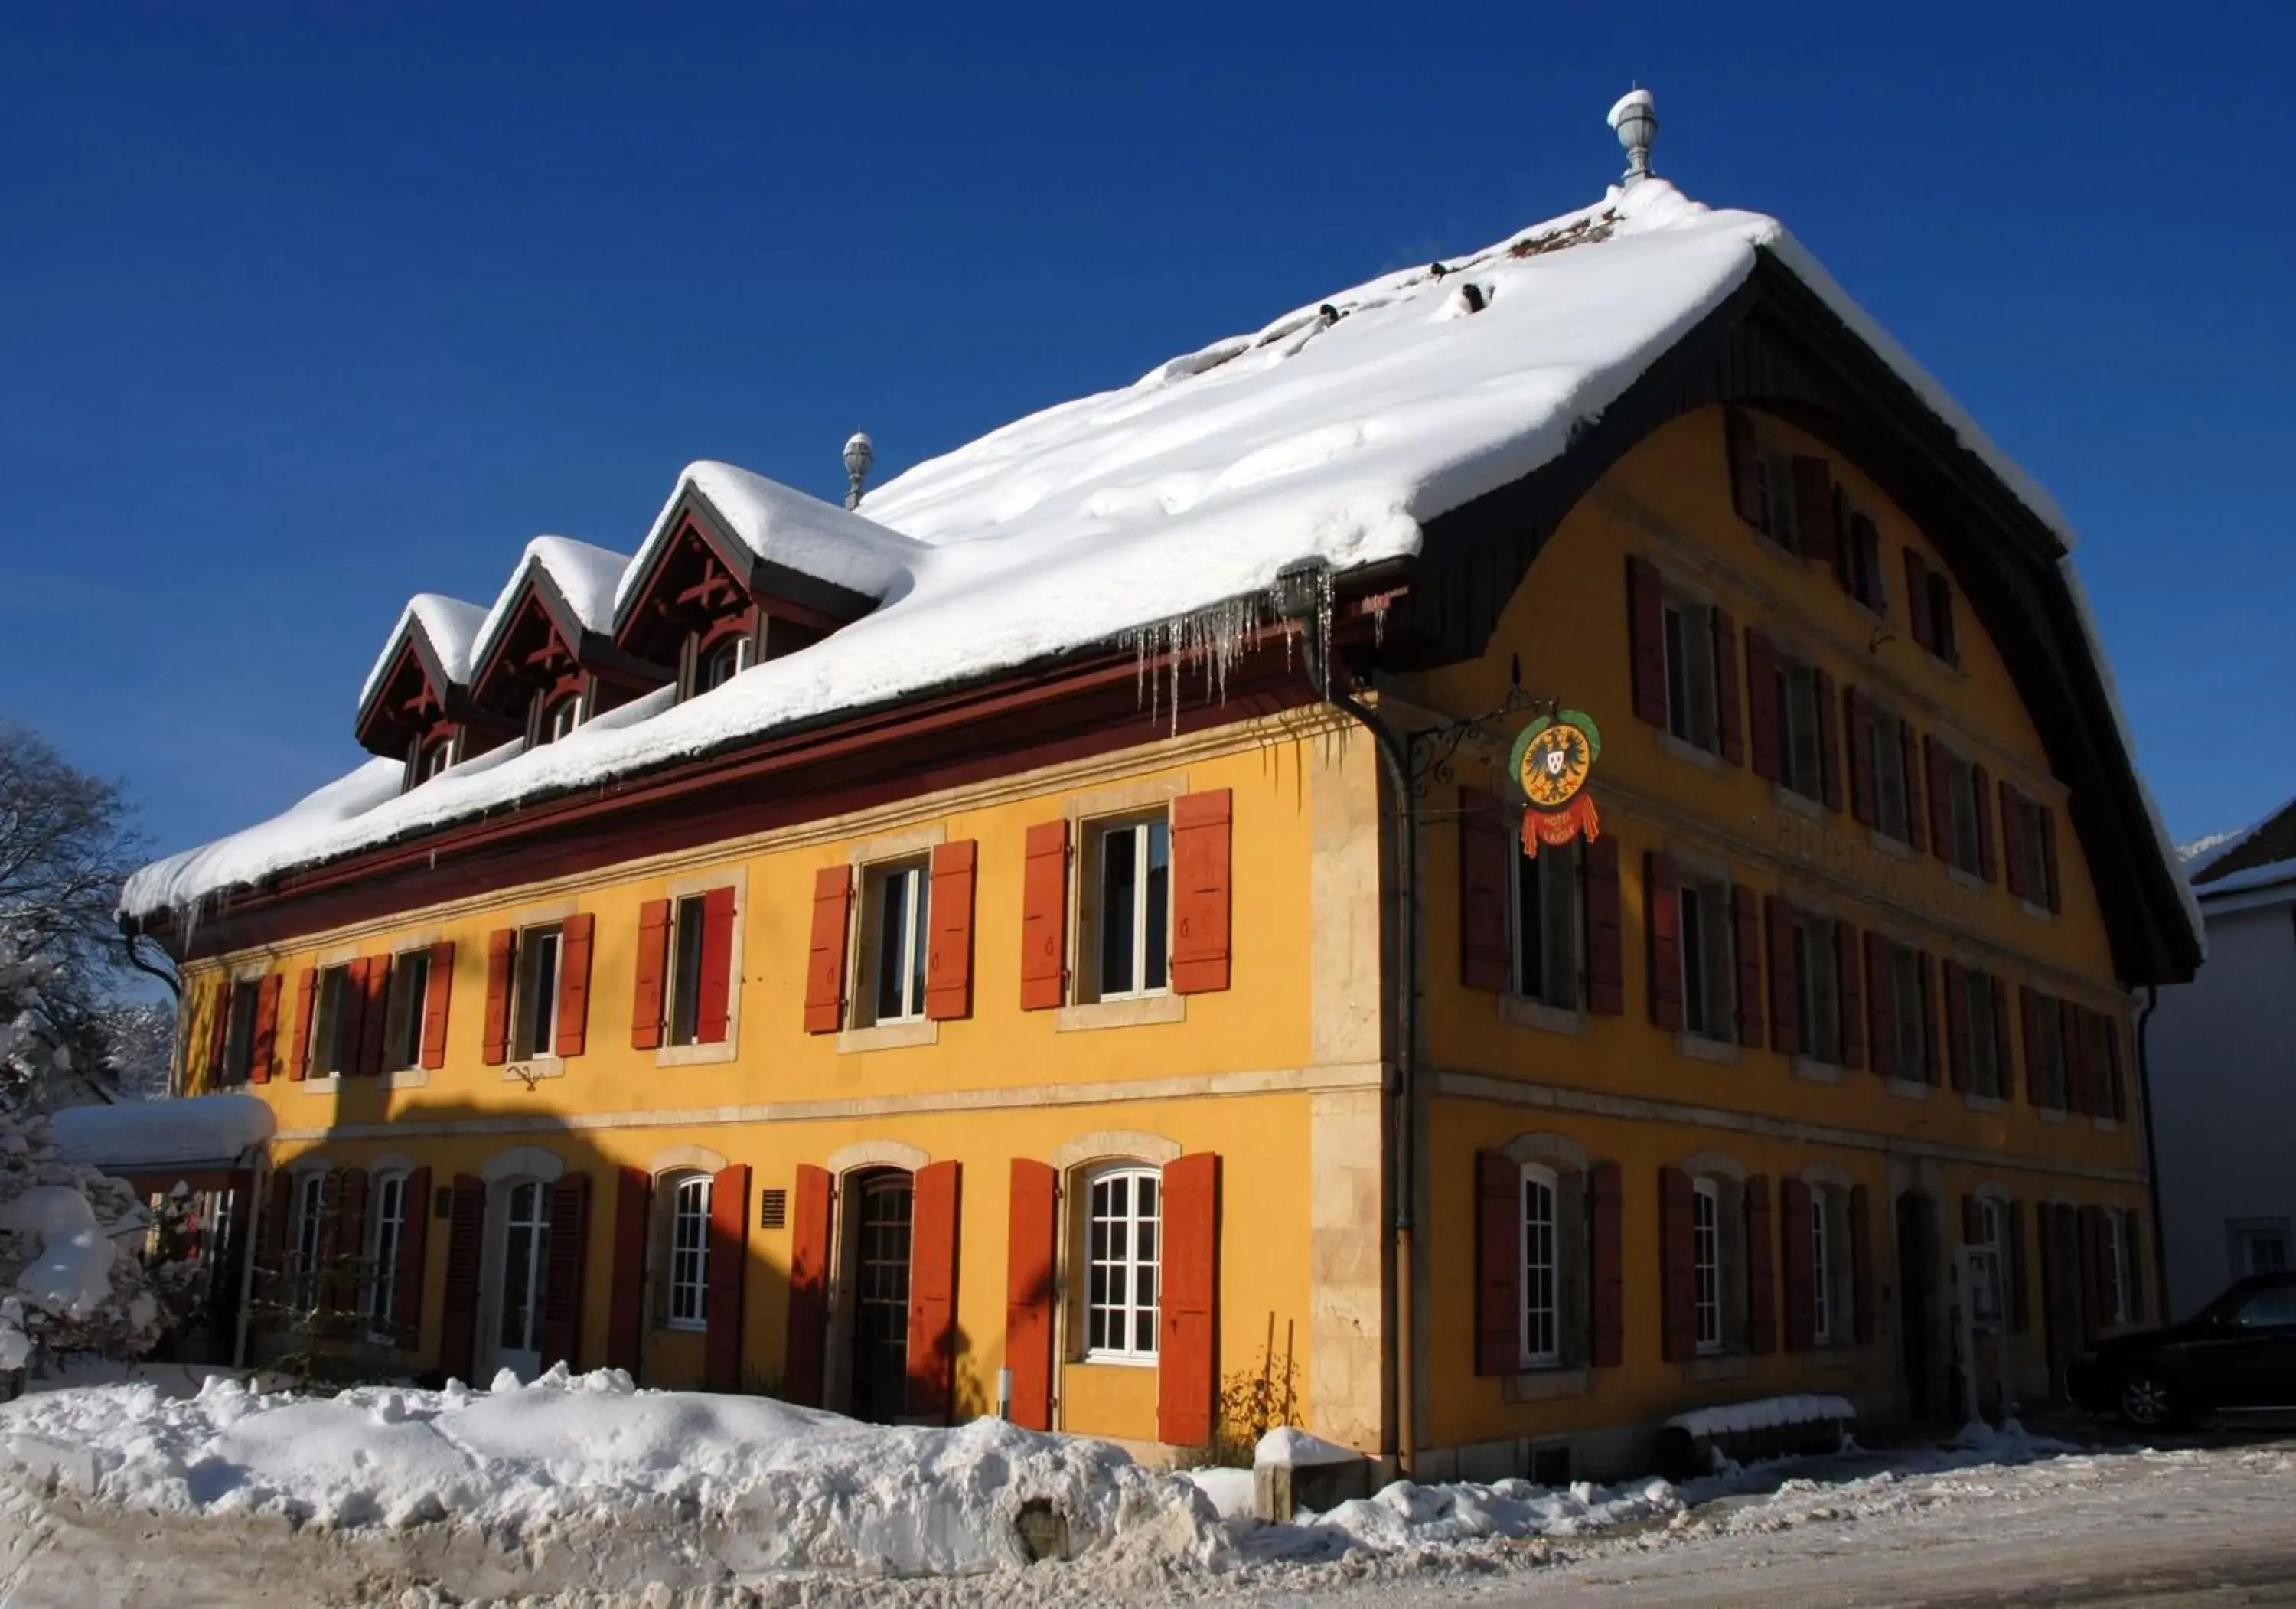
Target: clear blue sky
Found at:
x=304, y=308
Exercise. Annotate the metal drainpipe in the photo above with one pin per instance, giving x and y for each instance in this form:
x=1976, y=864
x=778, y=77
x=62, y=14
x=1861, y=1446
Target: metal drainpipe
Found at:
x=2152, y=1154
x=1404, y=1362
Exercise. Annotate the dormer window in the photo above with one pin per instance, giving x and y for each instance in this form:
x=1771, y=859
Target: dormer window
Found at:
x=436, y=756
x=726, y=662
x=559, y=720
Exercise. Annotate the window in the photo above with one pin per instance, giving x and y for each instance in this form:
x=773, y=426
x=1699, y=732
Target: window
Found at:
x=2102, y=1049
x=1802, y=751
x=1708, y=991
x=1966, y=799
x=1819, y=988
x=2259, y=1246
x=2271, y=1308
x=238, y=1032
x=684, y=991
x=2032, y=847
x=387, y=1221
x=1893, y=800
x=689, y=1252
x=1857, y=556
x=1691, y=700
x=2050, y=1037
x=559, y=719
x=1993, y=1240
x=1779, y=510
x=534, y=1006
x=726, y=662
x=1542, y=1317
x=1910, y=1005
x=410, y=989
x=1706, y=1265
x=300, y=1289
x=1943, y=642
x=1821, y=1270
x=436, y=757
x=1987, y=1075
x=1130, y=946
x=331, y=1051
x=2115, y=1295
x=1120, y=1251
x=1546, y=926
x=894, y=914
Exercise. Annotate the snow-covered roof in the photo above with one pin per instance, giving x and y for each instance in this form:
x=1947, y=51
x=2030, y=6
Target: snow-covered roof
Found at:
x=138, y=1135
x=585, y=576
x=2259, y=855
x=782, y=526
x=1334, y=432
x=452, y=626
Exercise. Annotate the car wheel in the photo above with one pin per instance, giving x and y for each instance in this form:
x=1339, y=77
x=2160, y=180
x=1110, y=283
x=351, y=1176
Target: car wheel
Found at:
x=2146, y=1402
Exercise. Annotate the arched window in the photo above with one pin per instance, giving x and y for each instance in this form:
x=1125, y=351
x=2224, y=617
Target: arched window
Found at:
x=436, y=756
x=1121, y=1247
x=1542, y=1316
x=300, y=1289
x=726, y=662
x=387, y=1228
x=689, y=1252
x=560, y=718
x=1706, y=1264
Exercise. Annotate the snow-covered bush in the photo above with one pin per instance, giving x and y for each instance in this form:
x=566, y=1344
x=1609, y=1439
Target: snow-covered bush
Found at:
x=69, y=1277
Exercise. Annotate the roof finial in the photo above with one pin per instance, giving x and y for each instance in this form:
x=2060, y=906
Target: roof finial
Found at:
x=1634, y=118
x=859, y=455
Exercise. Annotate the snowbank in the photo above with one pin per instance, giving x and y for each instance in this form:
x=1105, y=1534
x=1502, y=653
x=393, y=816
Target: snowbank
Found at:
x=1406, y=1516
x=799, y=1488
x=1766, y=1413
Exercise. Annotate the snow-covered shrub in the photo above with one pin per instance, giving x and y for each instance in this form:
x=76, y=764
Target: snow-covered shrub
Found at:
x=70, y=1279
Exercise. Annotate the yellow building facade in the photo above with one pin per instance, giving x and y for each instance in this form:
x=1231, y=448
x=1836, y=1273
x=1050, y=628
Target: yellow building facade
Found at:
x=1151, y=1075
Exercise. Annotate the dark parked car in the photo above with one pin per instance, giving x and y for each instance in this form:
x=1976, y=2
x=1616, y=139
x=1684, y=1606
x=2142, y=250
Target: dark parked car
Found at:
x=2237, y=1355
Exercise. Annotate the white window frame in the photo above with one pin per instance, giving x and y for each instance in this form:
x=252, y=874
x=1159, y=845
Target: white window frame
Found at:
x=328, y=1053
x=913, y=875
x=1555, y=869
x=530, y=1038
x=742, y=651
x=2250, y=1235
x=1993, y=1240
x=1693, y=696
x=310, y=1219
x=436, y=757
x=1709, y=964
x=1821, y=1272
x=1130, y=1312
x=1542, y=1268
x=1143, y=983
x=1706, y=1300
x=386, y=1231
x=561, y=718
x=686, y=1274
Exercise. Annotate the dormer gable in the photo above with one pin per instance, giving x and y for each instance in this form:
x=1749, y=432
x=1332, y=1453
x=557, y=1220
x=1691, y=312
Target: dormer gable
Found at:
x=415, y=705
x=545, y=660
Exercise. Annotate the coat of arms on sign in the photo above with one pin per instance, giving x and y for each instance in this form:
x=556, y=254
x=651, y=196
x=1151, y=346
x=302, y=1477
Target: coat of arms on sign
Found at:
x=1551, y=762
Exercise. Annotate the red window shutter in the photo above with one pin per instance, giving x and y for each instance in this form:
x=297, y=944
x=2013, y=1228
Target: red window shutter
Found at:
x=1829, y=741
x=2013, y=842
x=2132, y=1249
x=1930, y=1060
x=1762, y=714
x=1882, y=1005
x=574, y=982
x=1958, y=1046
x=1203, y=829
x=438, y=998
x=306, y=998
x=1677, y=1274
x=1849, y=970
x=218, y=1029
x=1786, y=982
x=729, y=1265
x=1606, y=1194
x=1606, y=957
x=2019, y=1315
x=647, y=1011
x=2005, y=1061
x=1860, y=715
x=2094, y=1278
x=266, y=1039
x=1940, y=784
x=560, y=1334
x=949, y=957
x=1814, y=508
x=458, y=1312
x=1917, y=601
x=1981, y=785
x=1910, y=750
x=1729, y=711
x=1745, y=460
x=1746, y=920
x=1799, y=1248
x=825, y=969
x=2049, y=860
x=1761, y=1269
x=713, y=1019
x=2030, y=1008
x=342, y=1241
x=1031, y=1242
x=1485, y=863
x=1188, y=1360
x=807, y=1349
x=1044, y=917
x=1646, y=639
x=1861, y=1264
x=937, y=1191
x=412, y=1262
x=1662, y=921
x=1498, y=1264
x=633, y=1222
x=374, y=1014
x=495, y=1047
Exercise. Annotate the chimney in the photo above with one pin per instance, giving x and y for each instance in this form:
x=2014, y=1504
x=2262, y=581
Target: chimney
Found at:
x=858, y=456
x=1635, y=119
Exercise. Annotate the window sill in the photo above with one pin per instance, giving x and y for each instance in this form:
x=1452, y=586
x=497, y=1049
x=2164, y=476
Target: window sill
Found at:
x=2050, y=1114
x=536, y=1067
x=1817, y=1072
x=408, y=1078
x=1799, y=804
x=1896, y=848
x=1968, y=879
x=1096, y=1361
x=1094, y=1015
x=1717, y=1365
x=1538, y=1014
x=698, y=1055
x=329, y=1085
x=889, y=1036
x=678, y=1326
x=2105, y=1125
x=1546, y=1382
x=1909, y=1089
x=1698, y=1047
x=1944, y=667
x=1983, y=1102
x=1705, y=759
x=1829, y=1358
x=2038, y=913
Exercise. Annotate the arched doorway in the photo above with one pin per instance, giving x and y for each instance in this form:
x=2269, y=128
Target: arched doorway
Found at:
x=517, y=1252
x=880, y=1205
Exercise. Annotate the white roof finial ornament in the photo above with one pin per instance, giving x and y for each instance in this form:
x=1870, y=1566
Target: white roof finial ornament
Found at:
x=859, y=455
x=1634, y=118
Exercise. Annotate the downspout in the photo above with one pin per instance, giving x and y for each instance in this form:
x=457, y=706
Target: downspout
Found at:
x=2152, y=1156
x=1402, y=1370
